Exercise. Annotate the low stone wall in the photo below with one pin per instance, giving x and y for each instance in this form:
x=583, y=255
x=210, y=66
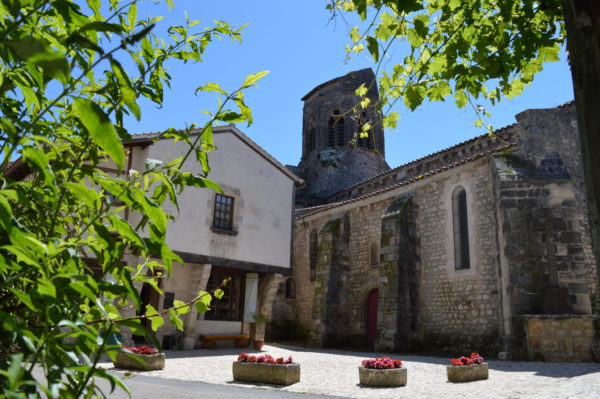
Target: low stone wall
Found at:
x=559, y=338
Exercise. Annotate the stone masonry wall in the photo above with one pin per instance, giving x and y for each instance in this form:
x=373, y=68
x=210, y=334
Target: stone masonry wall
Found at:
x=545, y=132
x=399, y=277
x=292, y=318
x=459, y=309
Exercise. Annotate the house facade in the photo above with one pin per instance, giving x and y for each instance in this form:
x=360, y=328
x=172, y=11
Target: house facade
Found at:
x=482, y=246
x=242, y=234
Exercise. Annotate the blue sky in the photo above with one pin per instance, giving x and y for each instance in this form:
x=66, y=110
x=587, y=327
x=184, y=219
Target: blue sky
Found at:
x=302, y=48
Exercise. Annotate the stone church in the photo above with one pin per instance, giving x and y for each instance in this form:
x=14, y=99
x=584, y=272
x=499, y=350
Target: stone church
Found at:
x=483, y=246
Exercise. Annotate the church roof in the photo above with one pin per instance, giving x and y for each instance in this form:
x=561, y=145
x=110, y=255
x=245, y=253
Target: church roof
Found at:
x=306, y=212
x=498, y=132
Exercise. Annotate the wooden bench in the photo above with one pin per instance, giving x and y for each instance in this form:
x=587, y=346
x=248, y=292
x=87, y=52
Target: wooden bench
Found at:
x=209, y=341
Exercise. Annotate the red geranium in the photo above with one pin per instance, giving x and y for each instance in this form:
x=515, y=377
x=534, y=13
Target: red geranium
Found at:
x=475, y=358
x=382, y=363
x=141, y=350
x=246, y=358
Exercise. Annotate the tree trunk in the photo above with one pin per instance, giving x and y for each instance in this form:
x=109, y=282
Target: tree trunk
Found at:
x=582, y=21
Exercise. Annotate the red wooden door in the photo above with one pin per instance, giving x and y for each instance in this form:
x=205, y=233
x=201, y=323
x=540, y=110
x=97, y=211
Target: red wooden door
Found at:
x=372, y=305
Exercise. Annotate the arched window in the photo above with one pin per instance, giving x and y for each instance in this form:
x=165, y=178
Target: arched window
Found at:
x=312, y=139
x=461, y=229
x=374, y=254
x=340, y=132
x=331, y=133
x=313, y=248
x=290, y=288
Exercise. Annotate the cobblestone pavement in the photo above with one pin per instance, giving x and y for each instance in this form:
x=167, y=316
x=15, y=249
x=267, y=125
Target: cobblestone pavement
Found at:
x=335, y=372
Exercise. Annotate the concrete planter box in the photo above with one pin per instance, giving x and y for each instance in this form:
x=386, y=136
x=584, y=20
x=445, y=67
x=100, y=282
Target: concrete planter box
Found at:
x=382, y=378
x=472, y=372
x=128, y=362
x=279, y=374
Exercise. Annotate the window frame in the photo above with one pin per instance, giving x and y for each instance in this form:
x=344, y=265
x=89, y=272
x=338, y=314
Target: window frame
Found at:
x=460, y=229
x=290, y=288
x=313, y=254
x=229, y=210
x=238, y=279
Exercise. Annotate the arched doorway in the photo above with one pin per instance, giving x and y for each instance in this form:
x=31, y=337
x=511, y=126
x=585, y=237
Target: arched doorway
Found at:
x=372, y=305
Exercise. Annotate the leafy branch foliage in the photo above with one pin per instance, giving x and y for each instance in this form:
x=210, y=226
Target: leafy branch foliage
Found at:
x=472, y=50
x=64, y=94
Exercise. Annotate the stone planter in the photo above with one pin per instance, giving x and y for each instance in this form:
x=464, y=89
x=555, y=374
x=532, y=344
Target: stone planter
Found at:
x=382, y=378
x=472, y=372
x=128, y=362
x=279, y=374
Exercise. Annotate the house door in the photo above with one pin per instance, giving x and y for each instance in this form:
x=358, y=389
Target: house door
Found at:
x=372, y=305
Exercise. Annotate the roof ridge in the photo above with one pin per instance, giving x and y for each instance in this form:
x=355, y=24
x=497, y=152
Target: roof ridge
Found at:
x=409, y=181
x=433, y=154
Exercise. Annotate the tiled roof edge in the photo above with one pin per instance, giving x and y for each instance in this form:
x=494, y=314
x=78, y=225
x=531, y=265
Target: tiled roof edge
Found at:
x=407, y=182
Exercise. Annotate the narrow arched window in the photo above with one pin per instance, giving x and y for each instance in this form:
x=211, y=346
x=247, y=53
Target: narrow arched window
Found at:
x=340, y=132
x=331, y=133
x=290, y=288
x=312, y=139
x=461, y=229
x=374, y=254
x=313, y=250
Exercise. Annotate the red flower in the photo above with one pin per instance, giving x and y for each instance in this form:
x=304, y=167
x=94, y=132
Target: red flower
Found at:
x=268, y=359
x=383, y=363
x=475, y=358
x=141, y=350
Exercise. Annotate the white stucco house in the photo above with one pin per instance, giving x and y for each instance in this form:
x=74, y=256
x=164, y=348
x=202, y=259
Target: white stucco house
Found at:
x=243, y=233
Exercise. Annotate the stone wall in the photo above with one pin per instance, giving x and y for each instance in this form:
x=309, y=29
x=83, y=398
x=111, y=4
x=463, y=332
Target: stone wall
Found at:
x=545, y=248
x=545, y=133
x=399, y=277
x=443, y=309
x=559, y=338
x=459, y=308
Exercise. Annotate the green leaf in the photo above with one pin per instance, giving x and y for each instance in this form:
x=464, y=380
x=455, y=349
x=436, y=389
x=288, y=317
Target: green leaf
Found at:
x=127, y=91
x=211, y=87
x=88, y=196
x=252, y=79
x=361, y=91
x=421, y=23
x=100, y=128
x=36, y=158
x=461, y=98
x=154, y=317
x=219, y=293
x=31, y=100
x=45, y=287
x=38, y=52
x=203, y=303
x=373, y=47
x=175, y=320
x=82, y=289
x=125, y=230
x=230, y=116
x=183, y=307
x=407, y=6
x=100, y=26
x=413, y=96
x=25, y=298
x=439, y=91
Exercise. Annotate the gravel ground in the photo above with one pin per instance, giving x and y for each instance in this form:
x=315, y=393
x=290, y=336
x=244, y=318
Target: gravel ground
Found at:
x=335, y=372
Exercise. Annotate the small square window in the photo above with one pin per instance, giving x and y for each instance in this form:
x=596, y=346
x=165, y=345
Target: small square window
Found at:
x=223, y=212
